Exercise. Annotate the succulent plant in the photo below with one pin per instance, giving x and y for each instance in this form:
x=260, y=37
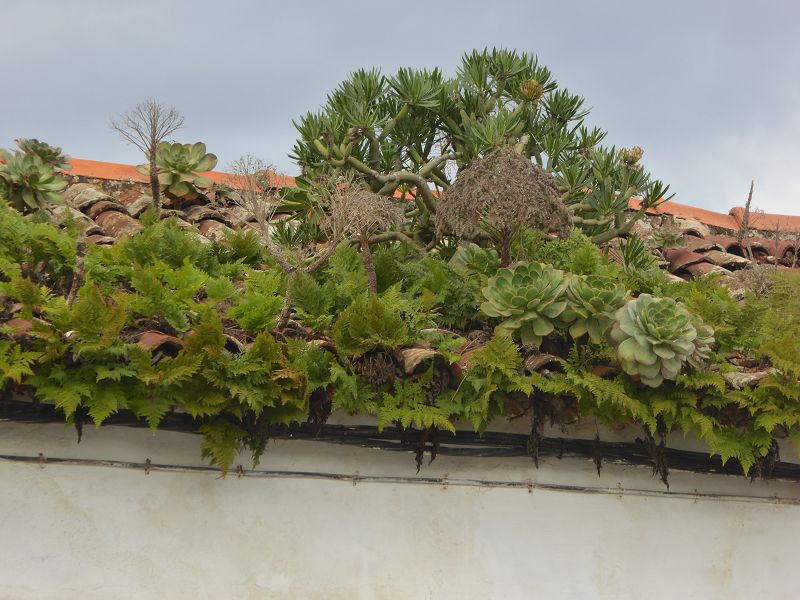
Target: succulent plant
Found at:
x=702, y=343
x=668, y=237
x=591, y=303
x=28, y=182
x=178, y=165
x=51, y=155
x=529, y=297
x=655, y=337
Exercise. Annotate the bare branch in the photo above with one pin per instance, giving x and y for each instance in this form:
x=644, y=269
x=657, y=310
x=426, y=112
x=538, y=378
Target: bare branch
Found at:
x=145, y=126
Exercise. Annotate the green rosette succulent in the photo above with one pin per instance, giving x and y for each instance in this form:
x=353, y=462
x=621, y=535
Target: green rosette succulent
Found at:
x=51, y=155
x=655, y=337
x=702, y=343
x=529, y=298
x=178, y=167
x=591, y=304
x=27, y=182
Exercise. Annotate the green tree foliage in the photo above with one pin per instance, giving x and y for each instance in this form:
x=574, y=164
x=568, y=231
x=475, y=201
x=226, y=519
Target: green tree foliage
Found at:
x=399, y=132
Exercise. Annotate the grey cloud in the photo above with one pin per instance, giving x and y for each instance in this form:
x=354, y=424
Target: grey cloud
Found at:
x=709, y=89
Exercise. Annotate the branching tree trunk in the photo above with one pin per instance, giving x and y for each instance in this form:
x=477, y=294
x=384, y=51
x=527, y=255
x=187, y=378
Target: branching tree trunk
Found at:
x=369, y=264
x=145, y=126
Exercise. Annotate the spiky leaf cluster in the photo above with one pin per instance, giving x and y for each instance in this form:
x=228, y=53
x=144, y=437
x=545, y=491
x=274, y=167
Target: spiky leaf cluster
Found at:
x=29, y=183
x=403, y=134
x=50, y=155
x=178, y=168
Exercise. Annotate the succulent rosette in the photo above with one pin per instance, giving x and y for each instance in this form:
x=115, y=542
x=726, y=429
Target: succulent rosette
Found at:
x=591, y=303
x=529, y=298
x=655, y=337
x=178, y=167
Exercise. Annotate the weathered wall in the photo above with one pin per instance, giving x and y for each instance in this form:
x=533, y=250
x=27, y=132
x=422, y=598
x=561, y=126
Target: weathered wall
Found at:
x=82, y=531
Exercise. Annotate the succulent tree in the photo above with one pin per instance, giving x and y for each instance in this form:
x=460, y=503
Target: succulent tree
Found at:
x=178, y=166
x=591, y=304
x=529, y=298
x=411, y=133
x=51, y=155
x=27, y=182
x=655, y=337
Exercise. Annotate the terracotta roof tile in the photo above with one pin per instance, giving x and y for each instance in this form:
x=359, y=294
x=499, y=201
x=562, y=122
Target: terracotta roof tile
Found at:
x=104, y=205
x=680, y=258
x=117, y=224
x=704, y=268
x=725, y=241
x=767, y=221
x=697, y=244
x=684, y=211
x=726, y=259
x=118, y=172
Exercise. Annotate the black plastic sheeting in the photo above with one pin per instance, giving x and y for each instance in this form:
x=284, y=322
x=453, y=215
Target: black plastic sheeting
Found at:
x=463, y=443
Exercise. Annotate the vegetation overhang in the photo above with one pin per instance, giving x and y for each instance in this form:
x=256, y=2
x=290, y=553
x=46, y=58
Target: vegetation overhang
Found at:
x=557, y=282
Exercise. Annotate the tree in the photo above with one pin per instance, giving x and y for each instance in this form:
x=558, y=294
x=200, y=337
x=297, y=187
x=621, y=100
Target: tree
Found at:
x=411, y=133
x=145, y=126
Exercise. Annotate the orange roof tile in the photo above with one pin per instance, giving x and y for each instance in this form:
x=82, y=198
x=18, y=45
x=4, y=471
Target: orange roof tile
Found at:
x=762, y=221
x=118, y=172
x=767, y=221
x=684, y=211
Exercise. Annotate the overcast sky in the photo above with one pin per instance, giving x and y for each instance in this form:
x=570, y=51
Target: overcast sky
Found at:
x=709, y=89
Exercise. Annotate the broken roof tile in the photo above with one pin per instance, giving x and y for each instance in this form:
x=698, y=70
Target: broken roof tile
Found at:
x=680, y=258
x=705, y=268
x=696, y=244
x=117, y=224
x=104, y=205
x=726, y=259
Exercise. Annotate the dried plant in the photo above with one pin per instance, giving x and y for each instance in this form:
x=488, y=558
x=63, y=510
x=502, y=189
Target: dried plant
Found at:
x=252, y=190
x=357, y=212
x=503, y=193
x=145, y=126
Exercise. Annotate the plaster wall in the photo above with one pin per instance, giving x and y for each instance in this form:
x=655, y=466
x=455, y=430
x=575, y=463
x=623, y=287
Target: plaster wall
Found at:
x=84, y=530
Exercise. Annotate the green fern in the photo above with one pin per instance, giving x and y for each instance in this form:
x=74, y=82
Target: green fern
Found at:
x=221, y=442
x=15, y=363
x=410, y=405
x=374, y=322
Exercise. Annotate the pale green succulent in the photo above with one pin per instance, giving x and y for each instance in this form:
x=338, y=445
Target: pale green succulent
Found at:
x=655, y=337
x=529, y=297
x=51, y=155
x=668, y=237
x=178, y=165
x=28, y=182
x=591, y=303
x=702, y=343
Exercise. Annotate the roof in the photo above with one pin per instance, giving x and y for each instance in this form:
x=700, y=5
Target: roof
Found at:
x=732, y=221
x=95, y=169
x=111, y=212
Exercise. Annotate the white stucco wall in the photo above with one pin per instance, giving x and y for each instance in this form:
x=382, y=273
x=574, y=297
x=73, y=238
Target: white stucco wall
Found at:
x=76, y=531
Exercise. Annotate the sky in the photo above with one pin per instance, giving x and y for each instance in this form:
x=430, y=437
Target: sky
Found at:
x=710, y=89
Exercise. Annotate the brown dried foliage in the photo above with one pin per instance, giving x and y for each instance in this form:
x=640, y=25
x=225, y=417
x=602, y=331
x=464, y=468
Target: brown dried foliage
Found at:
x=502, y=191
x=354, y=211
